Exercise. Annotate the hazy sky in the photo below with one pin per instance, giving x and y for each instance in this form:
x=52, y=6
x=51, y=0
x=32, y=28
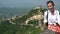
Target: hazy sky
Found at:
x=26, y=3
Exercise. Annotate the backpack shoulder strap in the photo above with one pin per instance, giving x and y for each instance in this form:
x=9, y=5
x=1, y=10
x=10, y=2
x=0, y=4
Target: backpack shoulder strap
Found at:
x=47, y=18
x=47, y=15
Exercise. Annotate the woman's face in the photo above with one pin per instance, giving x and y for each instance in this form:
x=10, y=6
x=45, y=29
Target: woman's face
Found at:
x=50, y=6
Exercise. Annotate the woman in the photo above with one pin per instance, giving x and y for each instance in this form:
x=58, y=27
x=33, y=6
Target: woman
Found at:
x=52, y=18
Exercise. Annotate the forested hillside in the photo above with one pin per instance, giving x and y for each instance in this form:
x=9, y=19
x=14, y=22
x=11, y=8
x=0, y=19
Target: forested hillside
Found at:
x=17, y=25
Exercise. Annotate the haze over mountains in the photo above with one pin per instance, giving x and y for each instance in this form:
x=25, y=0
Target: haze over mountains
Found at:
x=10, y=8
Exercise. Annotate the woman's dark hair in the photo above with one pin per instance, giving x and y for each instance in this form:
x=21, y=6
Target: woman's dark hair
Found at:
x=50, y=2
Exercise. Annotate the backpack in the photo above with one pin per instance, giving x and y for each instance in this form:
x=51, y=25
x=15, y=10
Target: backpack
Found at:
x=47, y=19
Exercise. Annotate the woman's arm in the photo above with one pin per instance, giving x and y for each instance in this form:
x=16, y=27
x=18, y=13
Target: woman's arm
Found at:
x=44, y=21
x=43, y=27
x=58, y=18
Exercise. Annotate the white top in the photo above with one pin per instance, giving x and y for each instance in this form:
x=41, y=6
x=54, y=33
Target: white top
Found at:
x=52, y=19
x=59, y=20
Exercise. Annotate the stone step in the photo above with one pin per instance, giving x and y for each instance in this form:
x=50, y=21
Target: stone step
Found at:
x=46, y=31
